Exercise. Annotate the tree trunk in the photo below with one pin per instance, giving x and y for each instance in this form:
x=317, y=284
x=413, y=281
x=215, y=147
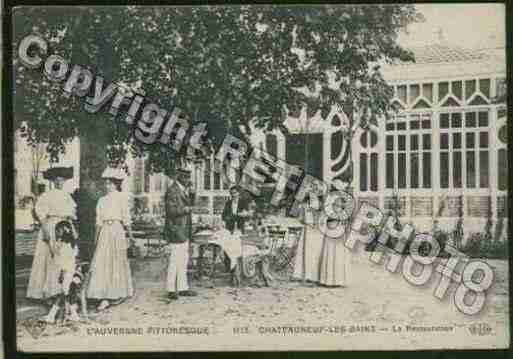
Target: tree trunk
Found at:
x=93, y=144
x=93, y=161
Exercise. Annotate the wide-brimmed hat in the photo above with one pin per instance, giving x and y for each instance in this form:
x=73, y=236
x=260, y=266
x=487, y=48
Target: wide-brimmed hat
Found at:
x=59, y=171
x=114, y=173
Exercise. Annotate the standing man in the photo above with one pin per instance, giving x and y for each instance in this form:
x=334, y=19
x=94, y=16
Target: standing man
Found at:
x=179, y=200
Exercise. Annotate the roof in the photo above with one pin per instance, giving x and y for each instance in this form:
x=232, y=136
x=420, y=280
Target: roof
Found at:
x=440, y=53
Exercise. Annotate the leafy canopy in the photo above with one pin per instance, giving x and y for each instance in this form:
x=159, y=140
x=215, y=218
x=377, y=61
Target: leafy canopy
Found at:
x=223, y=65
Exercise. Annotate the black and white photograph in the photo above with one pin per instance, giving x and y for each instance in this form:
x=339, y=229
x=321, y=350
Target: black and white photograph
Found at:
x=260, y=177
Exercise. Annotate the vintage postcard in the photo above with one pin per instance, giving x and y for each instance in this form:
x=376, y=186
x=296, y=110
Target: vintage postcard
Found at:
x=257, y=178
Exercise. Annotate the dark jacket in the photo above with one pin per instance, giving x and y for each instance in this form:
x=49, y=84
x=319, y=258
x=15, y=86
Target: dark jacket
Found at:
x=178, y=223
x=229, y=218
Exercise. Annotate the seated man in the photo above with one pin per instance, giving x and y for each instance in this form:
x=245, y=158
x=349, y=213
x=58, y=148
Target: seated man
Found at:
x=236, y=211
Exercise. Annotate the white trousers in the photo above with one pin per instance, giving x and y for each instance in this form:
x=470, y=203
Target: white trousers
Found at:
x=177, y=268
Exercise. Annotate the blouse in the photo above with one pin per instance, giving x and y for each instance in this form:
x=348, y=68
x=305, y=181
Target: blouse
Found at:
x=55, y=202
x=113, y=206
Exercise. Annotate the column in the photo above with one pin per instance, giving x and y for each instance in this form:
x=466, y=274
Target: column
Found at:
x=381, y=162
x=493, y=159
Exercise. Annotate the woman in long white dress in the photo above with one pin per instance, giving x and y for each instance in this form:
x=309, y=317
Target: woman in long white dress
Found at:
x=308, y=256
x=52, y=207
x=322, y=260
x=111, y=278
x=335, y=263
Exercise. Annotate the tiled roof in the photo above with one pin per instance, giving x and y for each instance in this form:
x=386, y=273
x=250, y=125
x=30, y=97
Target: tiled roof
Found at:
x=442, y=53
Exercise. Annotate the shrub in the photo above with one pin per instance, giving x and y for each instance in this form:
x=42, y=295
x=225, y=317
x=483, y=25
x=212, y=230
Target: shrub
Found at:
x=481, y=245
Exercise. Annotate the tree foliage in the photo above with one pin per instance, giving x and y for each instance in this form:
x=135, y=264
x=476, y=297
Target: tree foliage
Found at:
x=223, y=65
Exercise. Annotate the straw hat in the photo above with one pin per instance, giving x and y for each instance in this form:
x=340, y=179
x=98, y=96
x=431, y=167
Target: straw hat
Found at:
x=58, y=171
x=114, y=173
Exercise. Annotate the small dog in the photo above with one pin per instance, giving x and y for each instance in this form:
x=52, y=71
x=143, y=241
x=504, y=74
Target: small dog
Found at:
x=72, y=275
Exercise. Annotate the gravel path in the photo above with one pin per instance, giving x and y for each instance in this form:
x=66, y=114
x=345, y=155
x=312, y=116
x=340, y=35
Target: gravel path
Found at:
x=378, y=310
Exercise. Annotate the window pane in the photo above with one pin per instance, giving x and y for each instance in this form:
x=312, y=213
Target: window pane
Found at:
x=363, y=172
x=414, y=142
x=503, y=134
x=456, y=140
x=456, y=120
x=443, y=89
x=470, y=88
x=426, y=170
x=426, y=141
x=503, y=169
x=271, y=143
x=444, y=170
x=456, y=167
x=426, y=124
x=414, y=170
x=427, y=91
x=390, y=126
x=483, y=169
x=363, y=140
x=206, y=175
x=444, y=141
x=484, y=87
x=444, y=120
x=374, y=172
x=470, y=119
x=401, y=175
x=483, y=139
x=483, y=119
x=401, y=142
x=470, y=140
x=456, y=89
x=401, y=93
x=390, y=170
x=373, y=138
x=390, y=143
x=414, y=125
x=401, y=126
x=414, y=92
x=217, y=180
x=471, y=169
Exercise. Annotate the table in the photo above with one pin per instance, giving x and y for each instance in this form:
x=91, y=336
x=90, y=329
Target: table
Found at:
x=246, y=257
x=273, y=251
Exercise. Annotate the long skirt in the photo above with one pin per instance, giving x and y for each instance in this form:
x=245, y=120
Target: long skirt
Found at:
x=312, y=256
x=44, y=274
x=110, y=270
x=335, y=263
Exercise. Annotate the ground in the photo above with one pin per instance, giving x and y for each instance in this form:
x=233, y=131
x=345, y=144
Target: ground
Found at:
x=377, y=310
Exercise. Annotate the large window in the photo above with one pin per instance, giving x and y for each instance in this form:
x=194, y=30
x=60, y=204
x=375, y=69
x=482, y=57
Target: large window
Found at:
x=408, y=145
x=464, y=143
x=368, y=162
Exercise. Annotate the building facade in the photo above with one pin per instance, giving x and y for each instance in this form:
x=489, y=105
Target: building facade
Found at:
x=442, y=157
